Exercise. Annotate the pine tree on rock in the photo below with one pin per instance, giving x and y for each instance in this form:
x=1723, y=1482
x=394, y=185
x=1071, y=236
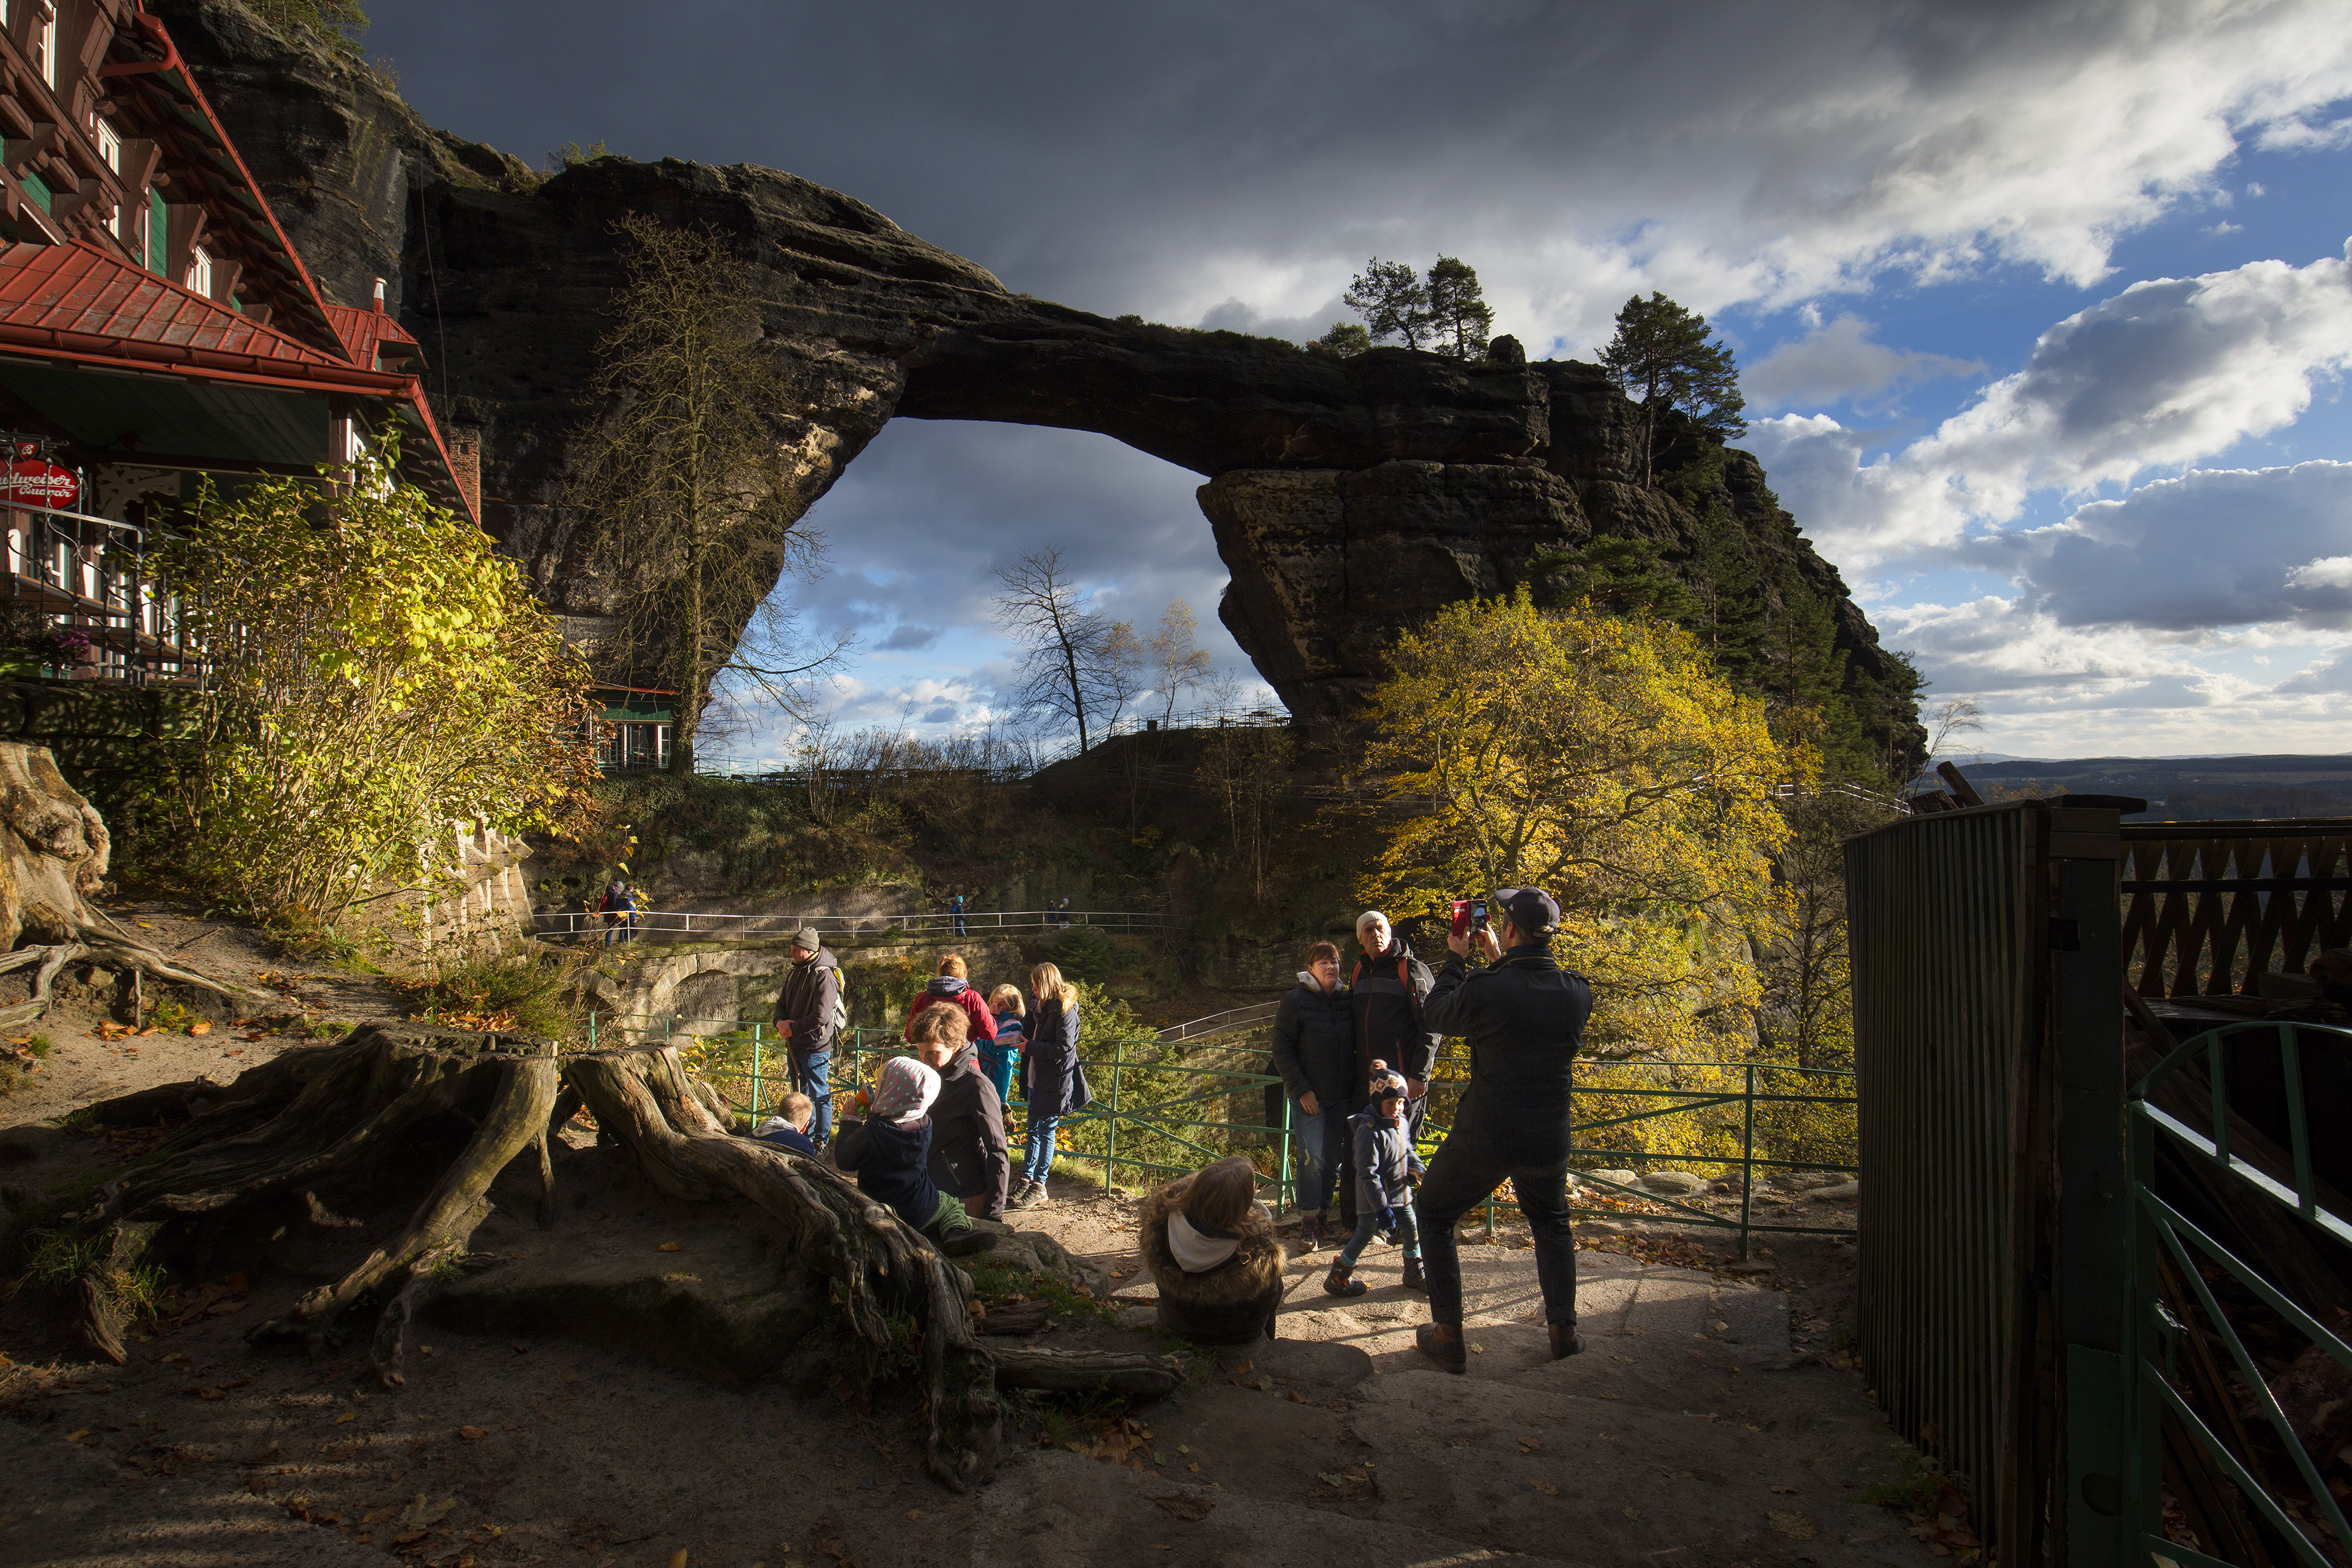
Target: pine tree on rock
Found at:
x=1391, y=297
x=1664, y=357
x=1460, y=318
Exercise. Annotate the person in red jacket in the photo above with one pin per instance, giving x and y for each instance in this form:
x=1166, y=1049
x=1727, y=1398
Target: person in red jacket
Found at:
x=949, y=984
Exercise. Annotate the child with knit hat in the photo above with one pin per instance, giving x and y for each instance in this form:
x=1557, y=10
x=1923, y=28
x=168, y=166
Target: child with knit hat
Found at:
x=890, y=1151
x=1385, y=1166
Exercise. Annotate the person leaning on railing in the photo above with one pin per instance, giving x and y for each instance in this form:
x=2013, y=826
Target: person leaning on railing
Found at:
x=1523, y=1017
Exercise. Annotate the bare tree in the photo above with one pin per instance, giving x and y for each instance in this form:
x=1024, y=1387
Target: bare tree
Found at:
x=1179, y=662
x=695, y=486
x=1076, y=664
x=1961, y=715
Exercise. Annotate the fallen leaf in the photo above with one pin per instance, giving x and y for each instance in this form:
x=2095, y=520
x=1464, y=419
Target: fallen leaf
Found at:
x=77, y=1437
x=1480, y=1349
x=1632, y=1513
x=201, y=1026
x=1547, y=1488
x=670, y=1247
x=150, y=1029
x=1184, y=1507
x=470, y=1433
x=677, y=1558
x=347, y=1415
x=1328, y=1479
x=1788, y=1523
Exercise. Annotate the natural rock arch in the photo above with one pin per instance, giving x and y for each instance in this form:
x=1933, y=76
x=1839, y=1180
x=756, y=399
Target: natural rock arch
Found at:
x=1347, y=498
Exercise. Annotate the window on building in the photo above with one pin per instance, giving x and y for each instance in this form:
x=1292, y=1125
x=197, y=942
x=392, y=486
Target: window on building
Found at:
x=157, y=231
x=41, y=43
x=200, y=272
x=109, y=146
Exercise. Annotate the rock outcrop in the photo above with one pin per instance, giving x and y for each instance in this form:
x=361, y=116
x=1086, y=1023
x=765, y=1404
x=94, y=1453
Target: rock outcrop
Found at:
x=1348, y=497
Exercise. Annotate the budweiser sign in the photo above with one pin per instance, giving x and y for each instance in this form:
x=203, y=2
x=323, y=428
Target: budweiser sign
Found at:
x=33, y=481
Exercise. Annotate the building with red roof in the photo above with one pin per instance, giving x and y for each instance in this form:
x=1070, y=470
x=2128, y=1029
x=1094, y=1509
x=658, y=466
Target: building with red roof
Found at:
x=157, y=328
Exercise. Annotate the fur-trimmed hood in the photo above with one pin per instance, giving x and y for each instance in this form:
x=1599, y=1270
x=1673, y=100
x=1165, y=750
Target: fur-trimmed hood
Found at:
x=1237, y=1283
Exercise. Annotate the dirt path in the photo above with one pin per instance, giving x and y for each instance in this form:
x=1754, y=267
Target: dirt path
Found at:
x=1692, y=1432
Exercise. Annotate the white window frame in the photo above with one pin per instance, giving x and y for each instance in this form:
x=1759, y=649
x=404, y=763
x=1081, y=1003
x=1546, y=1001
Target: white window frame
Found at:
x=199, y=279
x=42, y=39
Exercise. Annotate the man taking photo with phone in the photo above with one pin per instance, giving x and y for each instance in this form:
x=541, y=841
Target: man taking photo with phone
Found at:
x=1523, y=1016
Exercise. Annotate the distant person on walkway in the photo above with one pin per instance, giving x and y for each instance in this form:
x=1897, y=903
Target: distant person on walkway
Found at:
x=890, y=1153
x=969, y=1157
x=1062, y=915
x=1209, y=1246
x=789, y=1128
x=1389, y=987
x=1314, y=1053
x=1051, y=1080
x=1524, y=1018
x=1384, y=1167
x=810, y=1013
x=955, y=912
x=619, y=908
x=998, y=1056
x=952, y=984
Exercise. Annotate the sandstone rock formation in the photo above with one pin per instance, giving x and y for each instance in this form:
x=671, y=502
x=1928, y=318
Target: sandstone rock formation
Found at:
x=1347, y=497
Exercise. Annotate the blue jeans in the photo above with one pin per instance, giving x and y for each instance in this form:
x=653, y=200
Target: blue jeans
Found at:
x=1368, y=1225
x=1322, y=1154
x=958, y=923
x=1037, y=1156
x=808, y=1077
x=618, y=929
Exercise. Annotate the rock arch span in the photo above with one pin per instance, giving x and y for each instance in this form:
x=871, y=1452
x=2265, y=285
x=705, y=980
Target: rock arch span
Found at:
x=1347, y=498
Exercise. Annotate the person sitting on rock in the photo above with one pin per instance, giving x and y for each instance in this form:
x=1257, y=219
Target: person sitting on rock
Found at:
x=969, y=1157
x=890, y=1152
x=1383, y=1171
x=789, y=1128
x=998, y=1056
x=950, y=985
x=1209, y=1245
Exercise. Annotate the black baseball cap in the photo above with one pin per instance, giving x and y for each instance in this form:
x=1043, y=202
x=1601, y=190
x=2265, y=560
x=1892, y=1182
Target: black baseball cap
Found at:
x=1532, y=909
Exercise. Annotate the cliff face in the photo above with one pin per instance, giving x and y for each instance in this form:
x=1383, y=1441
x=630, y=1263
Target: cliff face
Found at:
x=1347, y=498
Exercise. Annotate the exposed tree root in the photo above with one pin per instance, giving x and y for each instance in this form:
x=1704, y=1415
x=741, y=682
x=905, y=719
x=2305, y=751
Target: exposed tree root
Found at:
x=308, y=1116
x=107, y=953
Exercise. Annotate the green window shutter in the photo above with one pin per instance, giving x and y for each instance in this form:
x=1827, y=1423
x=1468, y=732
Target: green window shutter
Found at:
x=38, y=189
x=157, y=250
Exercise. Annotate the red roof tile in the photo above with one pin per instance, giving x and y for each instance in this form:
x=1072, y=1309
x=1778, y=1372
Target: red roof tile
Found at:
x=80, y=289
x=363, y=332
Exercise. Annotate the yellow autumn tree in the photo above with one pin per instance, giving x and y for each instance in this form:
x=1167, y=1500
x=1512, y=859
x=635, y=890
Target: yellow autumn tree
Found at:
x=1600, y=759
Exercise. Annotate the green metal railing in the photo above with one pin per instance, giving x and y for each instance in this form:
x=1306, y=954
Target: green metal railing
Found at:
x=2169, y=1369
x=1678, y=1102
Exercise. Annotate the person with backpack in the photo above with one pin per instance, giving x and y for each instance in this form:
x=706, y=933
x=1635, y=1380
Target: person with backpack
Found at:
x=952, y=984
x=1053, y=1082
x=619, y=908
x=1387, y=988
x=810, y=1015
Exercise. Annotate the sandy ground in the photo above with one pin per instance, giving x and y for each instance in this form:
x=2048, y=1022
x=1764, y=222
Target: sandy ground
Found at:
x=1705, y=1425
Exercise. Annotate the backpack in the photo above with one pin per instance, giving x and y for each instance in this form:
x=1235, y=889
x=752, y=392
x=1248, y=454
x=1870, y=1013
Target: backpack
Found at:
x=840, y=1018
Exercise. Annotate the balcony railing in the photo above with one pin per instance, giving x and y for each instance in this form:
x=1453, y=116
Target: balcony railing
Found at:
x=89, y=574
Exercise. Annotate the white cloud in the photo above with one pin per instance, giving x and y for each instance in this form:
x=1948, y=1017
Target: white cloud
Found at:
x=2158, y=376
x=2252, y=535
x=1837, y=361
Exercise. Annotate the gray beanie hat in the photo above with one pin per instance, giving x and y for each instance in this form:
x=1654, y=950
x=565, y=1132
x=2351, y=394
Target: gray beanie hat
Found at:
x=807, y=941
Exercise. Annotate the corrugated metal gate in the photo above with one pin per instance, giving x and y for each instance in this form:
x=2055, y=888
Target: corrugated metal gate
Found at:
x=1988, y=1054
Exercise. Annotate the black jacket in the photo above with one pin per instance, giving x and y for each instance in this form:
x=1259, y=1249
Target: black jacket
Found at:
x=1524, y=1018
x=969, y=1157
x=807, y=1003
x=1314, y=1046
x=1388, y=1025
x=1049, y=1063
x=892, y=1164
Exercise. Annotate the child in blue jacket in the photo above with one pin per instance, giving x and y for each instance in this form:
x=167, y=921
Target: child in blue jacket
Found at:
x=1385, y=1166
x=998, y=1056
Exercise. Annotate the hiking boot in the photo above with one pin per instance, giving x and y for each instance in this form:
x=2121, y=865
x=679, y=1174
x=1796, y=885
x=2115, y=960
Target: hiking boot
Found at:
x=1442, y=1343
x=1022, y=1195
x=963, y=1242
x=1565, y=1340
x=1342, y=1280
x=1415, y=1279
x=1310, y=1232
x=1038, y=1197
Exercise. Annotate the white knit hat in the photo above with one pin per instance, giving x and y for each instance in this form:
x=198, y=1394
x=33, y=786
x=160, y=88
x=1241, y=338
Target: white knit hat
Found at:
x=905, y=1090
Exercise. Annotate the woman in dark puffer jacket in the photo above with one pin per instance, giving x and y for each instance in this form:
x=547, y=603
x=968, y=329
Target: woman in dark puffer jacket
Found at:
x=1315, y=1052
x=1050, y=1084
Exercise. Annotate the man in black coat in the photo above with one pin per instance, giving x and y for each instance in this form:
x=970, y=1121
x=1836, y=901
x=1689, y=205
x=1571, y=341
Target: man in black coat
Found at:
x=1523, y=1017
x=1315, y=1052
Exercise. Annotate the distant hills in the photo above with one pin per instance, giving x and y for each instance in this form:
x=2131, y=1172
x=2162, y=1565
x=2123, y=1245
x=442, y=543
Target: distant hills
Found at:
x=2182, y=789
